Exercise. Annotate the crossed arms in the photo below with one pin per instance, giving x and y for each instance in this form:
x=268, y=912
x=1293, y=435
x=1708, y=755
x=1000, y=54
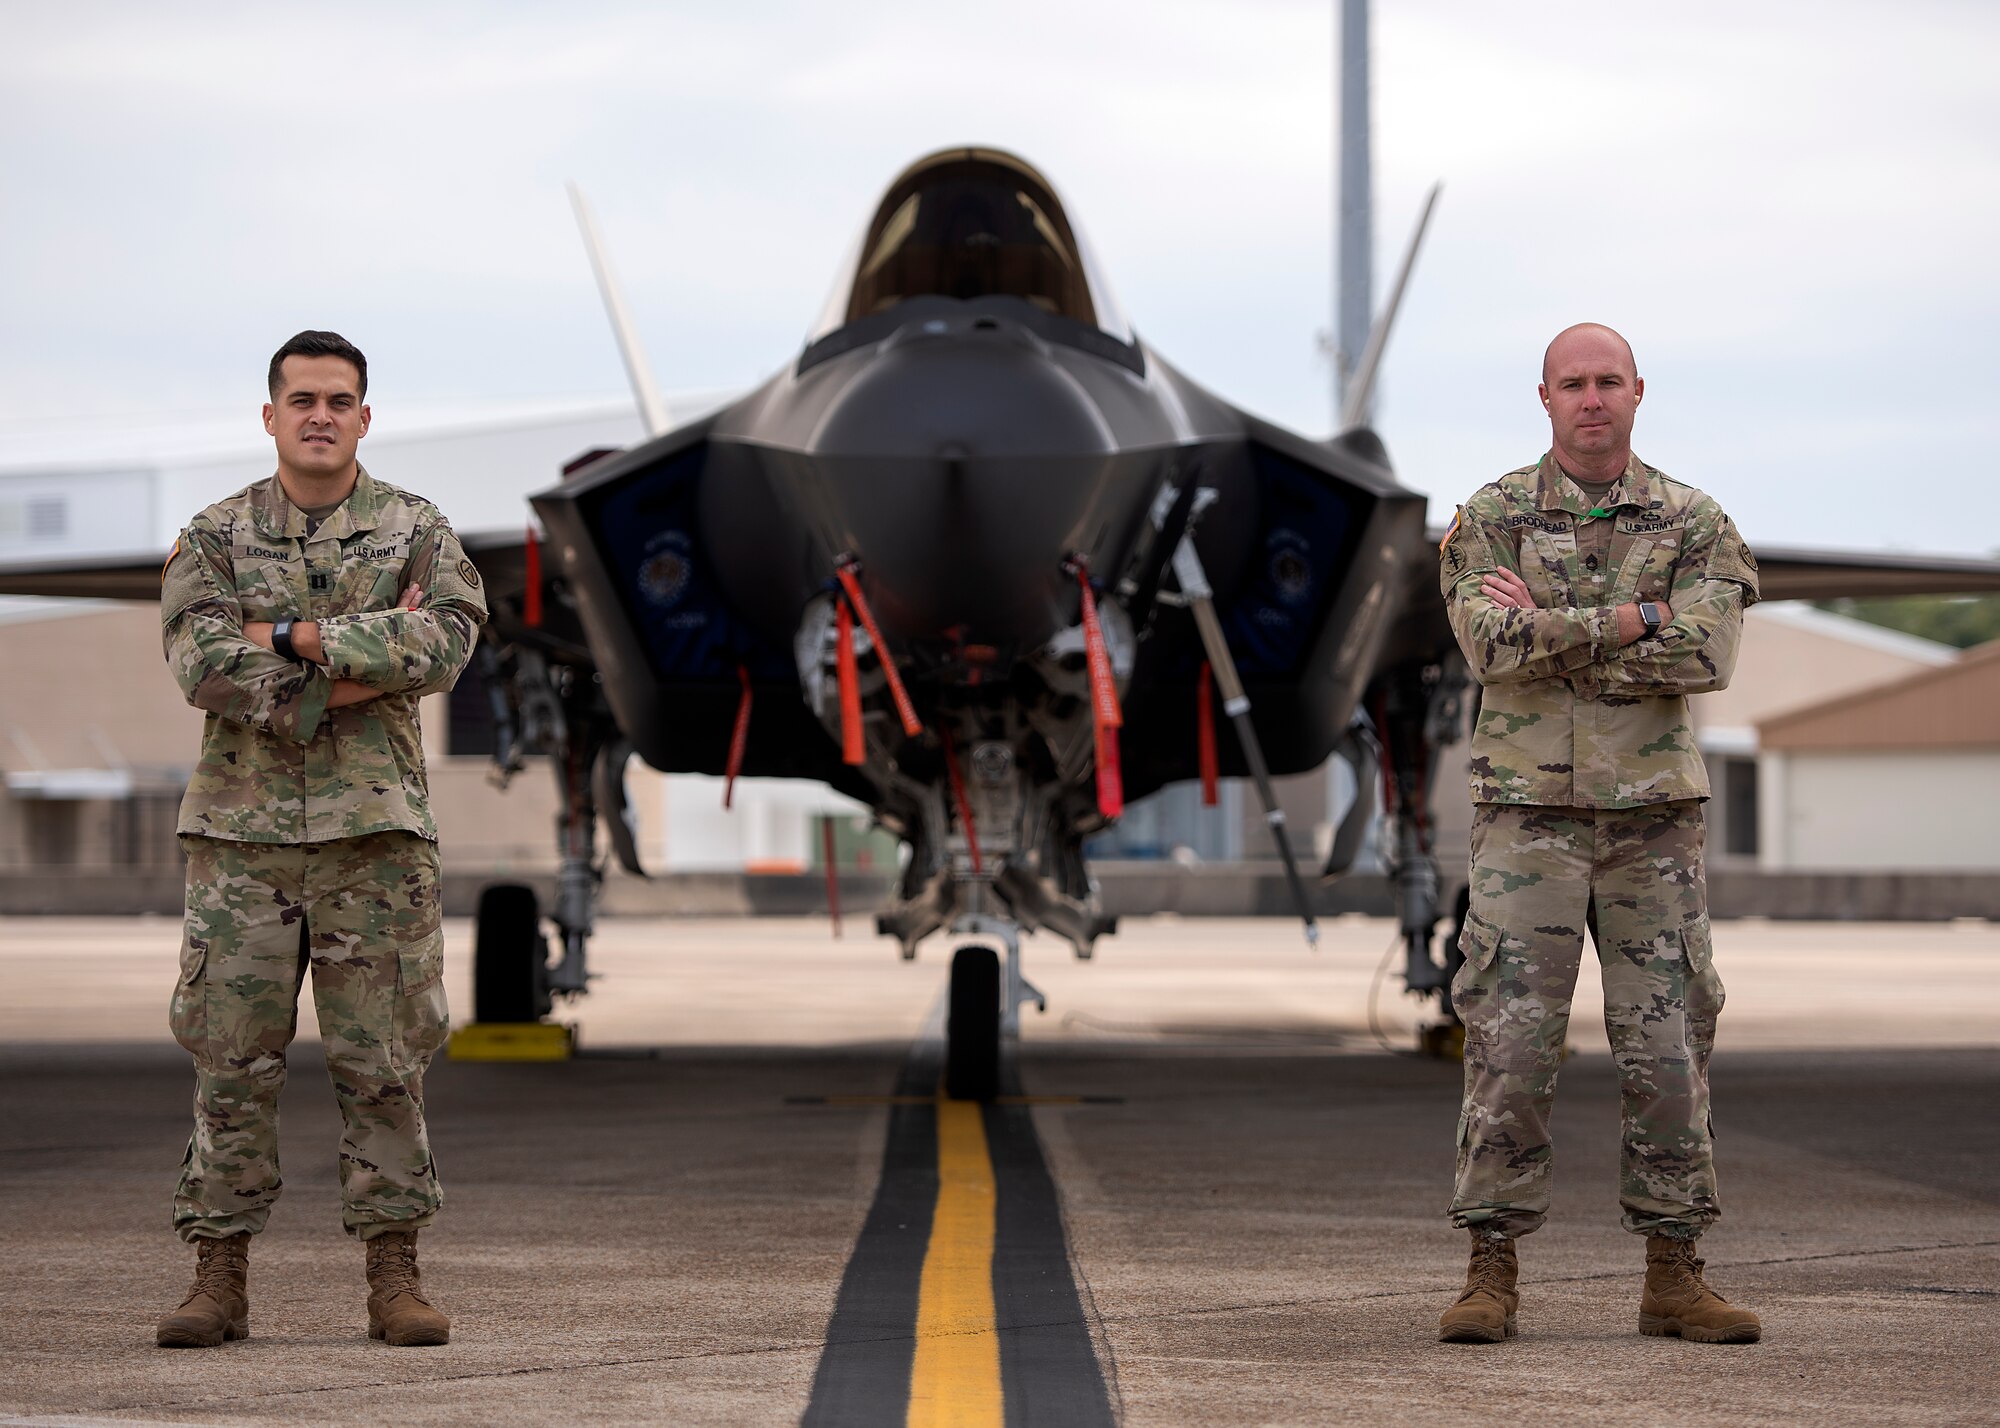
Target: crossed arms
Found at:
x=226, y=665
x=1508, y=640
x=306, y=640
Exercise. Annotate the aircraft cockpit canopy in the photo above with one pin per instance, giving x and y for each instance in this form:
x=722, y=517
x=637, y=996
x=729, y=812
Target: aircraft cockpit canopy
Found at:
x=968, y=224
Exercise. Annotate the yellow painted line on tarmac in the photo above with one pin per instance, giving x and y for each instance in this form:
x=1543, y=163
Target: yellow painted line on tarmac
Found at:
x=955, y=1379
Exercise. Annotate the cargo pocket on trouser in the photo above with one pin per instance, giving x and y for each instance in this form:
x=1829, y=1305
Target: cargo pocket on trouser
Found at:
x=1703, y=998
x=1479, y=944
x=1471, y=991
x=187, y=1014
x=421, y=1016
x=1482, y=1181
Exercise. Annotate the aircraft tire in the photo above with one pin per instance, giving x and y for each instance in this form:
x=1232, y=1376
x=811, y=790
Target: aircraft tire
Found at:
x=508, y=959
x=972, y=1026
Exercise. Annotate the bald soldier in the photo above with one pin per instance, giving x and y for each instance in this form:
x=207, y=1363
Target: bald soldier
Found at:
x=1591, y=595
x=307, y=614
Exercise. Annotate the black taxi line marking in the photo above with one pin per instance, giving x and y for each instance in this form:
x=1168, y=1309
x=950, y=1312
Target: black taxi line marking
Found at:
x=958, y=1304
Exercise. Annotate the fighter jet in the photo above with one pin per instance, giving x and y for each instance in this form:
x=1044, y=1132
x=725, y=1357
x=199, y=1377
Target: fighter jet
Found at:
x=981, y=558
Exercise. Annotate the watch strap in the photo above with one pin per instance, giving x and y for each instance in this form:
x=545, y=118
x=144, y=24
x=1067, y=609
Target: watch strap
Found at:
x=281, y=640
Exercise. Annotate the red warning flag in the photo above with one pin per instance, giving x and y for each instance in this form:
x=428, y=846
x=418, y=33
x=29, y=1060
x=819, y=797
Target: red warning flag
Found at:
x=853, y=749
x=1105, y=716
x=739, y=738
x=907, y=711
x=531, y=595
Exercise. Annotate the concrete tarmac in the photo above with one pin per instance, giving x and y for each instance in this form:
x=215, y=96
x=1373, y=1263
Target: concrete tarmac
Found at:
x=656, y=1232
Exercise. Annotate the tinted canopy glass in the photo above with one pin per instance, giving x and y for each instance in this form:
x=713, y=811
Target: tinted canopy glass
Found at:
x=972, y=224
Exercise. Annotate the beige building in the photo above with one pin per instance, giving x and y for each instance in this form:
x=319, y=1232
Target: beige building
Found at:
x=1901, y=776
x=1792, y=657
x=96, y=745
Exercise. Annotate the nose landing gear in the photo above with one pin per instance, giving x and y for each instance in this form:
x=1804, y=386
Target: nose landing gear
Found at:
x=972, y=1026
x=984, y=1008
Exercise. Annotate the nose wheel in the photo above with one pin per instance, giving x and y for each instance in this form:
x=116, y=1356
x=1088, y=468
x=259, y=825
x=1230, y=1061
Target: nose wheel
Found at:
x=972, y=1026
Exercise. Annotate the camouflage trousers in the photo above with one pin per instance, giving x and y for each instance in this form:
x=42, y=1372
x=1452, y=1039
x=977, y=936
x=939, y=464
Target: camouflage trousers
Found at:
x=364, y=914
x=1634, y=875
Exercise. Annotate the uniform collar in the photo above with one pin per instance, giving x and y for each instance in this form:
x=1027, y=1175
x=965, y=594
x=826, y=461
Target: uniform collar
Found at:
x=275, y=515
x=1555, y=491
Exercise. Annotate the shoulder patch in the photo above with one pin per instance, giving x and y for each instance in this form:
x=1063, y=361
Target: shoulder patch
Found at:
x=169, y=560
x=1457, y=515
x=471, y=573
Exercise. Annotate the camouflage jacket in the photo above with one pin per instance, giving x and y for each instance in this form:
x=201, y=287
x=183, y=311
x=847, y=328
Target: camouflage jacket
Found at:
x=277, y=766
x=1566, y=717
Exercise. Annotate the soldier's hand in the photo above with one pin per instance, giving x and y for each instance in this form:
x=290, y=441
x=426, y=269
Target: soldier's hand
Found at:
x=411, y=597
x=1507, y=590
x=349, y=691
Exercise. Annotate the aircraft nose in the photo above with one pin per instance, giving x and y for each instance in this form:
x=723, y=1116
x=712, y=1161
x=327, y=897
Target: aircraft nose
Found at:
x=963, y=386
x=965, y=462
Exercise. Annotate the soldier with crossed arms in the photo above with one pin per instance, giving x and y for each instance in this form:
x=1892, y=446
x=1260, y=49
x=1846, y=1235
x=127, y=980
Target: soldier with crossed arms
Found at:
x=1591, y=595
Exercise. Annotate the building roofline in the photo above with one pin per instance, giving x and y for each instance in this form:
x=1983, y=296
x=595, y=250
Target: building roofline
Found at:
x=1802, y=616
x=1968, y=661
x=150, y=446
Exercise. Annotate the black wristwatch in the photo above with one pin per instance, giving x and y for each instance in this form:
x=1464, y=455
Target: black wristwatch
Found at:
x=1648, y=611
x=281, y=640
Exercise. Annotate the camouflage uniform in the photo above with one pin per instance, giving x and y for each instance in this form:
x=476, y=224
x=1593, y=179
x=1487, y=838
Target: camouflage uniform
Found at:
x=1589, y=788
x=309, y=839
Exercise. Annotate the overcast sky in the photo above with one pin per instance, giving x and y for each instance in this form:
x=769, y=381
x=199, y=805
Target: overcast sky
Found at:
x=1792, y=209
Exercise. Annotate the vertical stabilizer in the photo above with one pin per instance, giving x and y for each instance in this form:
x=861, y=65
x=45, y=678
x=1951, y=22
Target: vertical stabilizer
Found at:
x=652, y=411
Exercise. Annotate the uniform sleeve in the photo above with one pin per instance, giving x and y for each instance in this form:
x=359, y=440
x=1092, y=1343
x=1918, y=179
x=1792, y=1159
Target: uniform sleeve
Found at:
x=1715, y=581
x=1507, y=646
x=218, y=669
x=418, y=651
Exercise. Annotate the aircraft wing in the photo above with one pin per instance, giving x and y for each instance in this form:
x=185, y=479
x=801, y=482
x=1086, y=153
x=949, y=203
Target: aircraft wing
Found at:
x=1792, y=573
x=500, y=556
x=110, y=577
x=1797, y=573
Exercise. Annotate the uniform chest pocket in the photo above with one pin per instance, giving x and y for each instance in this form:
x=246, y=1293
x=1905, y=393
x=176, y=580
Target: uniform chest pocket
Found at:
x=268, y=582
x=1548, y=564
x=366, y=574
x=1646, y=571
x=361, y=586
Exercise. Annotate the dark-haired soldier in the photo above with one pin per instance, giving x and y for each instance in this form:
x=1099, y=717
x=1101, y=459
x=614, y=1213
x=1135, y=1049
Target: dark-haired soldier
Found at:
x=1591, y=595
x=307, y=614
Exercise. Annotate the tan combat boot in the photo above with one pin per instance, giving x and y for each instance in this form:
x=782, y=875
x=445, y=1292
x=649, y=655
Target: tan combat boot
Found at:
x=397, y=1309
x=1677, y=1303
x=1484, y=1313
x=218, y=1307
